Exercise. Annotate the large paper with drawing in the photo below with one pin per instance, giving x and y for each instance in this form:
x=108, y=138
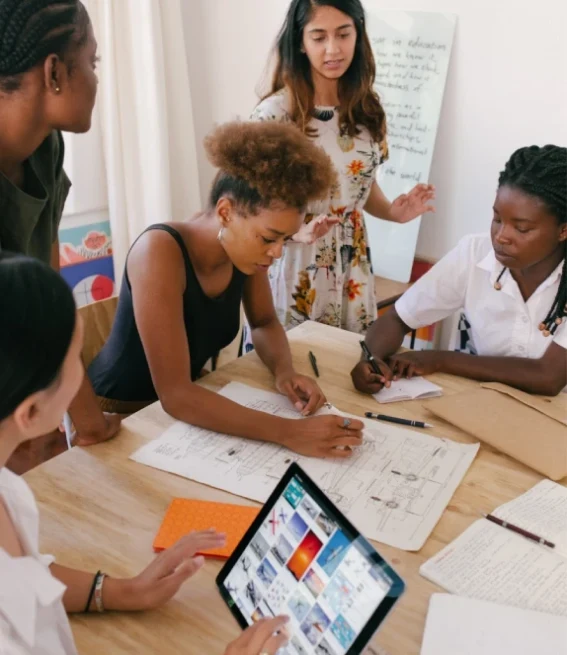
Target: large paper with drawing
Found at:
x=394, y=488
x=412, y=51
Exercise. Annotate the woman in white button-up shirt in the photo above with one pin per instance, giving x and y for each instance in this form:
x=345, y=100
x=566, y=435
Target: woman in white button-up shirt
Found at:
x=40, y=373
x=512, y=286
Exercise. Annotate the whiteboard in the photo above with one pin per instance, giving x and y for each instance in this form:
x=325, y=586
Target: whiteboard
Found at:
x=412, y=51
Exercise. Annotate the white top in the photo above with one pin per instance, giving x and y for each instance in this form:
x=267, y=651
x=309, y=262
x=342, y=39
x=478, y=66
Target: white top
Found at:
x=32, y=617
x=502, y=323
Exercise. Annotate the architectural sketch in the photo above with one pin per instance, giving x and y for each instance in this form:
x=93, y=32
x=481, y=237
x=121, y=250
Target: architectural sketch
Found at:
x=394, y=488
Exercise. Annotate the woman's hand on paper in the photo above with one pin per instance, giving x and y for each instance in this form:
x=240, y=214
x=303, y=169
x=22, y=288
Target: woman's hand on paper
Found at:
x=366, y=380
x=266, y=636
x=304, y=393
x=422, y=362
x=315, y=229
x=413, y=204
x=161, y=580
x=323, y=436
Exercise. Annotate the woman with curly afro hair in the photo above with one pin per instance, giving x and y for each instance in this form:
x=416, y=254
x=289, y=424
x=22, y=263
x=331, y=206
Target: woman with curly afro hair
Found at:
x=184, y=284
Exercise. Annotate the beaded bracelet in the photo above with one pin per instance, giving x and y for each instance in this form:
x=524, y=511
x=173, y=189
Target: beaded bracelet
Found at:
x=91, y=593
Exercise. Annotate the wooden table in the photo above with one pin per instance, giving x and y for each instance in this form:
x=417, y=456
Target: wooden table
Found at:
x=388, y=291
x=101, y=510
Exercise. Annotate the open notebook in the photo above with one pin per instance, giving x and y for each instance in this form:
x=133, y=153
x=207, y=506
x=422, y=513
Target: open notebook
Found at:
x=412, y=389
x=461, y=626
x=489, y=562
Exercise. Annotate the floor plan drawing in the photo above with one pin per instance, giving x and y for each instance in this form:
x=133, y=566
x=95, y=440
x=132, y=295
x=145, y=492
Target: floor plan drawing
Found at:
x=394, y=488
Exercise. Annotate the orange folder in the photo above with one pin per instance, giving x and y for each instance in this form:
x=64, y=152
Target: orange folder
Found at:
x=184, y=515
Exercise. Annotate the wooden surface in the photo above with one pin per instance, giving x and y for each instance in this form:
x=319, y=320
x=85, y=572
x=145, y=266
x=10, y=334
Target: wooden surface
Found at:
x=388, y=290
x=101, y=510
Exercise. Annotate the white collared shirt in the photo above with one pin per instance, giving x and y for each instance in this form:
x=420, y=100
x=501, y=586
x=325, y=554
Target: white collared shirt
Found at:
x=502, y=323
x=32, y=617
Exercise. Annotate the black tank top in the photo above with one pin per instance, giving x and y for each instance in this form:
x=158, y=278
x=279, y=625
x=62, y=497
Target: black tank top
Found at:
x=121, y=372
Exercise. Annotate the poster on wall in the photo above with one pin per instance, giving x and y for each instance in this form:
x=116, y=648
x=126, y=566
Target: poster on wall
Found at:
x=85, y=258
x=412, y=52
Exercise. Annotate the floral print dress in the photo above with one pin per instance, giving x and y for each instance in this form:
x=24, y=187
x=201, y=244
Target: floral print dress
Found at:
x=329, y=281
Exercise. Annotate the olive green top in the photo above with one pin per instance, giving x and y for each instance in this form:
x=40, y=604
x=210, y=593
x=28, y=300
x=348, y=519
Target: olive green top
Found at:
x=30, y=217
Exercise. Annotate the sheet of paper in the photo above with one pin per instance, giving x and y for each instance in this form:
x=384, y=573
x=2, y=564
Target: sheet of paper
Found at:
x=490, y=563
x=408, y=390
x=543, y=511
x=394, y=488
x=463, y=626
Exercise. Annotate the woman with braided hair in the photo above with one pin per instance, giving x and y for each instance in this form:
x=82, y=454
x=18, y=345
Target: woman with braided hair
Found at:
x=184, y=284
x=512, y=286
x=48, y=85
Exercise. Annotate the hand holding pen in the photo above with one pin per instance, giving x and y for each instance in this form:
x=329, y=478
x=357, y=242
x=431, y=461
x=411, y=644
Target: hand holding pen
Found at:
x=371, y=374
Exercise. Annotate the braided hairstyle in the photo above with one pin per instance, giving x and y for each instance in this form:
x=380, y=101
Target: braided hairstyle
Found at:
x=542, y=172
x=30, y=30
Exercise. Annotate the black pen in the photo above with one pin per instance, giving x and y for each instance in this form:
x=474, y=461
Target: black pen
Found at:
x=399, y=421
x=369, y=357
x=313, y=364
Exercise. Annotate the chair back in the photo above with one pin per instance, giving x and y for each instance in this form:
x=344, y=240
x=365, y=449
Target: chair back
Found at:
x=97, y=319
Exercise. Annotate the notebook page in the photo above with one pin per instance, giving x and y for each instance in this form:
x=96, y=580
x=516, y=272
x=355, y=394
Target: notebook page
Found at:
x=541, y=510
x=490, y=563
x=405, y=389
x=472, y=627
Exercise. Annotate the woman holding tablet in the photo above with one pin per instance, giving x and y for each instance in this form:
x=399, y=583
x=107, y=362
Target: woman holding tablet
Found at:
x=36, y=386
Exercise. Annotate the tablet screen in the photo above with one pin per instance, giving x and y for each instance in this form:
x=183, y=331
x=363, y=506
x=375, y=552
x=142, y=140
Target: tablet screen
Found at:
x=303, y=558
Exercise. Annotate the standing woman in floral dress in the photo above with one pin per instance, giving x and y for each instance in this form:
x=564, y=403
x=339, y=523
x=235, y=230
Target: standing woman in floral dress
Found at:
x=323, y=82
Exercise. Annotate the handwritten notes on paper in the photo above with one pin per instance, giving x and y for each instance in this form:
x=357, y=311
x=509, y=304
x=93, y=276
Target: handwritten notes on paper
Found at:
x=412, y=52
x=395, y=487
x=409, y=67
x=488, y=562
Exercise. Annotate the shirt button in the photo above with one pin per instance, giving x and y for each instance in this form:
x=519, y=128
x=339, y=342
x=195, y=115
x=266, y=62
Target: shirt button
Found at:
x=525, y=319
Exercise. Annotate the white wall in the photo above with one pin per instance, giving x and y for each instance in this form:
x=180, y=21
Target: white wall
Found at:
x=84, y=163
x=507, y=88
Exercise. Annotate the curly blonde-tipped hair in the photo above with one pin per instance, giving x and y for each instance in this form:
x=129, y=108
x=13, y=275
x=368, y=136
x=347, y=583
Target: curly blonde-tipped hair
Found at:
x=266, y=163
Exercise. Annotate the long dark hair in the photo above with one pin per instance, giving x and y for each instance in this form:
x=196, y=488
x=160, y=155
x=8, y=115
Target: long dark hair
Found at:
x=34, y=29
x=37, y=321
x=359, y=102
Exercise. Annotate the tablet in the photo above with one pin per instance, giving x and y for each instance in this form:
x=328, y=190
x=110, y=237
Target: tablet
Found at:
x=303, y=558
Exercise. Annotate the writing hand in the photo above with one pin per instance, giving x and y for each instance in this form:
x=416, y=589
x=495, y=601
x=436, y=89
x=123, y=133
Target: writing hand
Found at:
x=366, y=380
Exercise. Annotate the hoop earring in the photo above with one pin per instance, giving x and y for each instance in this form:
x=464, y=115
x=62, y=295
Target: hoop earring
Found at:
x=219, y=235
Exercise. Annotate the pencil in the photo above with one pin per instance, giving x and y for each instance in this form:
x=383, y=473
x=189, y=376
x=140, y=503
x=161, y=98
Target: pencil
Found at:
x=517, y=530
x=313, y=361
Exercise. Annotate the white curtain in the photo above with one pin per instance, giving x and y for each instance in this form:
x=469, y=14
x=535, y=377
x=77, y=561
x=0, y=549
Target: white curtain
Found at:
x=147, y=124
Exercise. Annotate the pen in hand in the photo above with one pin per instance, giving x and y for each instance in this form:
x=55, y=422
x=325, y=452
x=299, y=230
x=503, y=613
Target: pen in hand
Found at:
x=370, y=358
